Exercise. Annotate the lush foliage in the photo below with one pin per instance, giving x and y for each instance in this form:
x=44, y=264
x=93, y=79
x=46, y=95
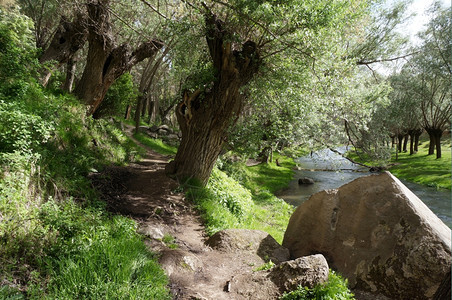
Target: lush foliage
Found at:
x=334, y=289
x=120, y=95
x=56, y=240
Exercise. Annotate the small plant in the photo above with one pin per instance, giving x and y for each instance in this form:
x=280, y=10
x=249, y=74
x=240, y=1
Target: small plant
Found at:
x=266, y=266
x=335, y=289
x=170, y=241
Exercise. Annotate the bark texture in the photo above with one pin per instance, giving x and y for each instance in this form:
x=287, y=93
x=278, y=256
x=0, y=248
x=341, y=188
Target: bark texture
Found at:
x=106, y=61
x=67, y=40
x=205, y=116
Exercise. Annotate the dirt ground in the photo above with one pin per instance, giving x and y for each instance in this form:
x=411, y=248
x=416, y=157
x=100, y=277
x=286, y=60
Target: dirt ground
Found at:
x=143, y=192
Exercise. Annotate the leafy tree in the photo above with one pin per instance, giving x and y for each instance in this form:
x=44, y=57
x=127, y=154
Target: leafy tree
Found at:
x=242, y=37
x=432, y=76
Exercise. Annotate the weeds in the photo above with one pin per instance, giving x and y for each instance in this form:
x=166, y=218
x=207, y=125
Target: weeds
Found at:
x=334, y=289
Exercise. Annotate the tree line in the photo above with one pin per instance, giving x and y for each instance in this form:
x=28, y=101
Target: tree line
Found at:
x=250, y=75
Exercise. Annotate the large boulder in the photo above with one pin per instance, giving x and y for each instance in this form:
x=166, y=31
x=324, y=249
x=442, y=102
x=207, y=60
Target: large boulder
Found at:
x=376, y=233
x=307, y=271
x=254, y=241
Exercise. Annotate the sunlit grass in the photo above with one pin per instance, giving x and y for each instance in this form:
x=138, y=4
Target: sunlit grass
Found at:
x=424, y=169
x=155, y=144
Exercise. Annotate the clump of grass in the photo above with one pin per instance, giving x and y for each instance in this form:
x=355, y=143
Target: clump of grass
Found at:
x=336, y=288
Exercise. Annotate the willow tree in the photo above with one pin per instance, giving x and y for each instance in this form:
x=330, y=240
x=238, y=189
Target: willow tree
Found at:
x=241, y=37
x=431, y=80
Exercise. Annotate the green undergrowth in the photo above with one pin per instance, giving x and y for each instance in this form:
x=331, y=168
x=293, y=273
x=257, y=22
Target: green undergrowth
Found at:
x=57, y=241
x=226, y=203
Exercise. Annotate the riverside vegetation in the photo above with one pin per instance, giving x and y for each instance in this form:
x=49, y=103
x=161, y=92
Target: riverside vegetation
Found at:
x=57, y=240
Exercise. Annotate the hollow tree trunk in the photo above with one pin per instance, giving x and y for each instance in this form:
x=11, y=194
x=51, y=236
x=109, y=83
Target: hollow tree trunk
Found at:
x=106, y=61
x=204, y=117
x=67, y=40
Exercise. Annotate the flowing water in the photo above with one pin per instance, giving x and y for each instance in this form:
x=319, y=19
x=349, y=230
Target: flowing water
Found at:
x=330, y=170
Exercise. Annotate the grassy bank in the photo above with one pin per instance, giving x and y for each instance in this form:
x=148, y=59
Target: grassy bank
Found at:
x=424, y=169
x=420, y=167
x=57, y=241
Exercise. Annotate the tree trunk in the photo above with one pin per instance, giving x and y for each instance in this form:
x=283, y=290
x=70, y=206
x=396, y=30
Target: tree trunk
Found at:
x=105, y=61
x=431, y=135
x=70, y=75
x=411, y=133
x=405, y=142
x=140, y=100
x=438, y=134
x=127, y=113
x=204, y=117
x=67, y=40
x=399, y=142
x=417, y=134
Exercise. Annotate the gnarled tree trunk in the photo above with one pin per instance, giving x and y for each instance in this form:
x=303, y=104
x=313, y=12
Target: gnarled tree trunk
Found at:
x=204, y=117
x=67, y=40
x=106, y=61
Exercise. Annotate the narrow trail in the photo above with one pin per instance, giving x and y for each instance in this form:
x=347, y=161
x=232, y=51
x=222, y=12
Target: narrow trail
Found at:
x=143, y=192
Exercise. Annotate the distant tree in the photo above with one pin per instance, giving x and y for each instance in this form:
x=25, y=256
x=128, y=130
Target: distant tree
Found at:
x=432, y=76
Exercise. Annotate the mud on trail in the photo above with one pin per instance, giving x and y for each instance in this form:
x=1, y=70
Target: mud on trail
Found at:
x=143, y=192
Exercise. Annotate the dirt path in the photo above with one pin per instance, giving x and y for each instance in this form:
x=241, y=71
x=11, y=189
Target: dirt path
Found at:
x=143, y=192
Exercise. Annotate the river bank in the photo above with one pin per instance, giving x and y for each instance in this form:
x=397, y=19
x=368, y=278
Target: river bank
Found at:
x=329, y=171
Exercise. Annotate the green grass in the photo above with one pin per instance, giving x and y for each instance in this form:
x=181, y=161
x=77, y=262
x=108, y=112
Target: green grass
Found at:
x=424, y=169
x=335, y=288
x=155, y=144
x=99, y=257
x=56, y=240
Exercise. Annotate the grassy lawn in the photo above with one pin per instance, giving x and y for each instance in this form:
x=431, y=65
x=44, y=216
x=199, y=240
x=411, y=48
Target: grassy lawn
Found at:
x=425, y=169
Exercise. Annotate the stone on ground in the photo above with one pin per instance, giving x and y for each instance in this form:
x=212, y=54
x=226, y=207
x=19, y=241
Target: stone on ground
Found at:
x=307, y=271
x=255, y=241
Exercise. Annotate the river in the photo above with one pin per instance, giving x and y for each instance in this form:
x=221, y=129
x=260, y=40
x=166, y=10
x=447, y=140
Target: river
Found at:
x=330, y=170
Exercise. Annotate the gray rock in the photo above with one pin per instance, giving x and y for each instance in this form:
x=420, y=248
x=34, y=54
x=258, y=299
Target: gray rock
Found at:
x=306, y=271
x=176, y=262
x=376, y=233
x=152, y=232
x=254, y=241
x=305, y=180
